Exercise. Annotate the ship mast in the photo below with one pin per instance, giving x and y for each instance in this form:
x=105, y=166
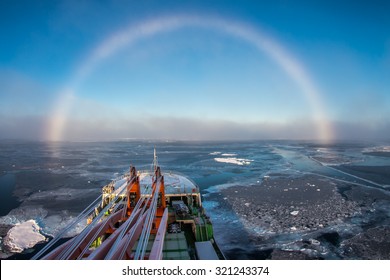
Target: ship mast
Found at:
x=155, y=160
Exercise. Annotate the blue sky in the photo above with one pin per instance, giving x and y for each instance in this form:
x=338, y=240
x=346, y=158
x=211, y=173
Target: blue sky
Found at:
x=195, y=81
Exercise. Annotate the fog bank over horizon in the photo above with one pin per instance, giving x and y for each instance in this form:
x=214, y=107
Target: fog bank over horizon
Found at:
x=167, y=128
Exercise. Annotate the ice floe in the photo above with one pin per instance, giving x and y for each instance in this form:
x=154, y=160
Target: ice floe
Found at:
x=294, y=213
x=233, y=160
x=314, y=242
x=383, y=149
x=23, y=236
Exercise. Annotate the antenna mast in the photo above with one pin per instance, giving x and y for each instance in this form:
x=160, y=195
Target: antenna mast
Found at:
x=155, y=160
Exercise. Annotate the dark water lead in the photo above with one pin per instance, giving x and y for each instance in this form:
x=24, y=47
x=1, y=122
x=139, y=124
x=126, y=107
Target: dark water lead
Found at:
x=7, y=200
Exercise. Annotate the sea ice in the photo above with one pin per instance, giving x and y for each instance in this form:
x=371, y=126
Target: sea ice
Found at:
x=60, y=194
x=54, y=224
x=314, y=242
x=24, y=213
x=383, y=149
x=50, y=224
x=233, y=160
x=23, y=236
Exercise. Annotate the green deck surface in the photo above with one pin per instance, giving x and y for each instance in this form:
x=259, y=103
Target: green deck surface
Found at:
x=175, y=246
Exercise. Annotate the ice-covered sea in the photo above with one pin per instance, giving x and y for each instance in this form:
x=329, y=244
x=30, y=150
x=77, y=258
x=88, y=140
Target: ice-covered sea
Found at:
x=265, y=198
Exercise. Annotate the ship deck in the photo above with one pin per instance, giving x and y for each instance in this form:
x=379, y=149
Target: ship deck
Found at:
x=142, y=215
x=174, y=184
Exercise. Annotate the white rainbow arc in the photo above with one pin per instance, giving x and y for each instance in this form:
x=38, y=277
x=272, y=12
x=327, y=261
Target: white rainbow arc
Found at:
x=146, y=29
